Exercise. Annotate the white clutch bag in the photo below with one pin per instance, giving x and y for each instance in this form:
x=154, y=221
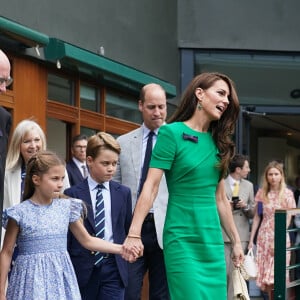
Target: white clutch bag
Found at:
x=249, y=268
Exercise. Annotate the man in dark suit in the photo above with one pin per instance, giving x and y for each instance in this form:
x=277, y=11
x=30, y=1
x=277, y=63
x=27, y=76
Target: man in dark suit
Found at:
x=76, y=167
x=101, y=276
x=5, y=122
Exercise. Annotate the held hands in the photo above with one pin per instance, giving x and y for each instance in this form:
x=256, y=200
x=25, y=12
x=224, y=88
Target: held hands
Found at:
x=132, y=248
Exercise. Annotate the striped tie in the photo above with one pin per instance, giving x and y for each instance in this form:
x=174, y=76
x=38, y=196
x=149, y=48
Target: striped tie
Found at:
x=99, y=220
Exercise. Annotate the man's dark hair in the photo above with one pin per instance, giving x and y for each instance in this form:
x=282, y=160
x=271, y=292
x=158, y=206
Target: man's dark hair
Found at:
x=237, y=161
x=79, y=137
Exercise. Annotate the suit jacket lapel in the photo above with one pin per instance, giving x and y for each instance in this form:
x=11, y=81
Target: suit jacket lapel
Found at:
x=86, y=196
x=115, y=203
x=136, y=150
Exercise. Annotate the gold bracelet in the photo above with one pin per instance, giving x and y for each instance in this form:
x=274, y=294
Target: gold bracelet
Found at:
x=134, y=236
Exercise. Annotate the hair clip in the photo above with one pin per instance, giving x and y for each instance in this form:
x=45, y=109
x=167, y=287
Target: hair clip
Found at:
x=191, y=138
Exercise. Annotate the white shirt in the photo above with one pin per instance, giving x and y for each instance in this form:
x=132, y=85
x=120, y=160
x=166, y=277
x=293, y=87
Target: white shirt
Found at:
x=232, y=182
x=79, y=165
x=108, y=234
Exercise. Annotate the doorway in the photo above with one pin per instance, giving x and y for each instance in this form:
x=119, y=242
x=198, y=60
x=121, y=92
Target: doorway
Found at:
x=268, y=133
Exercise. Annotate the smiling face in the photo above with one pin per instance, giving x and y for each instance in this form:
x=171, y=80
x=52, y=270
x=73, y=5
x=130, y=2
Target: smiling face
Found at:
x=31, y=143
x=104, y=166
x=214, y=100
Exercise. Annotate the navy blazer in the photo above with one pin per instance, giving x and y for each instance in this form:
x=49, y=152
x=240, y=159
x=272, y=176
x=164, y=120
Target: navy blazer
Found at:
x=75, y=175
x=83, y=260
x=5, y=124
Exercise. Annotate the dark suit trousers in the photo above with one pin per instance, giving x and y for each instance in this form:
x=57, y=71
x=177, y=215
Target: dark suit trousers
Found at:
x=153, y=261
x=105, y=282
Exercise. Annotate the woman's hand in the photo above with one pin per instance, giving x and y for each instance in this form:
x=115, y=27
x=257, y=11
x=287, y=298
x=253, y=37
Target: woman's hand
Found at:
x=132, y=248
x=237, y=254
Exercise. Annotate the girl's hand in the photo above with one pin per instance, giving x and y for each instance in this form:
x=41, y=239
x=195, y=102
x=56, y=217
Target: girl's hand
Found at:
x=132, y=248
x=250, y=245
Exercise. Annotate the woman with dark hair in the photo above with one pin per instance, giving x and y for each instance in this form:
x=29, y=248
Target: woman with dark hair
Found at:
x=194, y=151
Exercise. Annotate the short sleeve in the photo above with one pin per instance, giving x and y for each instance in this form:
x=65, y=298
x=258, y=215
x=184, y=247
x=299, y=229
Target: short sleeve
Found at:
x=10, y=213
x=77, y=210
x=291, y=203
x=165, y=148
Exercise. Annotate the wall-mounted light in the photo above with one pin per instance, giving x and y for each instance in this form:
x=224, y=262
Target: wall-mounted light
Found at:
x=37, y=51
x=58, y=64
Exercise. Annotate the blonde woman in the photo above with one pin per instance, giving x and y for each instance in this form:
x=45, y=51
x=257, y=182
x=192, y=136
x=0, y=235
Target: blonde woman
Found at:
x=273, y=195
x=27, y=139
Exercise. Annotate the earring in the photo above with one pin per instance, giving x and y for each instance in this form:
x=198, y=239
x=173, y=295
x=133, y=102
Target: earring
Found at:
x=199, y=106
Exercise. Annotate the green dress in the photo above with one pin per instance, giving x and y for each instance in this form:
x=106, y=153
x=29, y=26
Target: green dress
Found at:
x=192, y=237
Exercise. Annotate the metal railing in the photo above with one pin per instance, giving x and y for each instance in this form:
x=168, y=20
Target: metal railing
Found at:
x=281, y=288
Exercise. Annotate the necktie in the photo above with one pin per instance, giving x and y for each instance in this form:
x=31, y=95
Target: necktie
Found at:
x=235, y=191
x=147, y=158
x=85, y=173
x=99, y=220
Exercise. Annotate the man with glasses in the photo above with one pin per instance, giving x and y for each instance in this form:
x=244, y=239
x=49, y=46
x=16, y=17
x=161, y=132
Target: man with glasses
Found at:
x=76, y=167
x=5, y=122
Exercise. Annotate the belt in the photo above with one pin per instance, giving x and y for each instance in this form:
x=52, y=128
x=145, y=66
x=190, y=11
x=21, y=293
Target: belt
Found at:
x=149, y=218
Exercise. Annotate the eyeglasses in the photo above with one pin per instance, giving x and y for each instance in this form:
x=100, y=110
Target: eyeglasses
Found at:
x=78, y=147
x=8, y=81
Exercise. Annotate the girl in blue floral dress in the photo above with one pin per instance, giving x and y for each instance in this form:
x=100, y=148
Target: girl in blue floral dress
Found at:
x=43, y=269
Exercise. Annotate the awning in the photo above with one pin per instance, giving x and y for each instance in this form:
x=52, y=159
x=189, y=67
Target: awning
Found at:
x=24, y=36
x=112, y=72
x=18, y=37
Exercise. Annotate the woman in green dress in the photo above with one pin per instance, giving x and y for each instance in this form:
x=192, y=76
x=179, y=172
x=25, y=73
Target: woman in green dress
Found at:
x=194, y=150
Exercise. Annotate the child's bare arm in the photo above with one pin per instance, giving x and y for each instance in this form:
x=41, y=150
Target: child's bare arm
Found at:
x=6, y=253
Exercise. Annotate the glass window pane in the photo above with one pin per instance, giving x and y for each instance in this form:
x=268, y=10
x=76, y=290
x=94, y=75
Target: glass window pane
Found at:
x=122, y=107
x=87, y=131
x=60, y=89
x=56, y=136
x=89, y=97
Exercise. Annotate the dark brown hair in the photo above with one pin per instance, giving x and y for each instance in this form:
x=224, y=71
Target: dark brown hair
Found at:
x=223, y=129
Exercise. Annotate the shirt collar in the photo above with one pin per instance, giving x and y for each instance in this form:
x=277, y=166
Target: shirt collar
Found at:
x=232, y=180
x=146, y=131
x=93, y=184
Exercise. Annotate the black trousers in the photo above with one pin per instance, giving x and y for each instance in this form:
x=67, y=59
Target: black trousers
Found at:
x=153, y=262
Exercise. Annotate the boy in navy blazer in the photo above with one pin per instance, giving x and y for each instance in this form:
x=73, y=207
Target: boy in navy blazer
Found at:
x=107, y=279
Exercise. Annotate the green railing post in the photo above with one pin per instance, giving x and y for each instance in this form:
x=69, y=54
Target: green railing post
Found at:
x=280, y=255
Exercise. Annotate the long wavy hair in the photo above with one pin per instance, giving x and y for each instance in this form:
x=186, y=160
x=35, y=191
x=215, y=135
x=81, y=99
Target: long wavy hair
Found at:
x=222, y=129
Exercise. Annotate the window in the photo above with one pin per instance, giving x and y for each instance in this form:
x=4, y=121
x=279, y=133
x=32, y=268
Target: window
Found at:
x=122, y=107
x=61, y=89
x=89, y=98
